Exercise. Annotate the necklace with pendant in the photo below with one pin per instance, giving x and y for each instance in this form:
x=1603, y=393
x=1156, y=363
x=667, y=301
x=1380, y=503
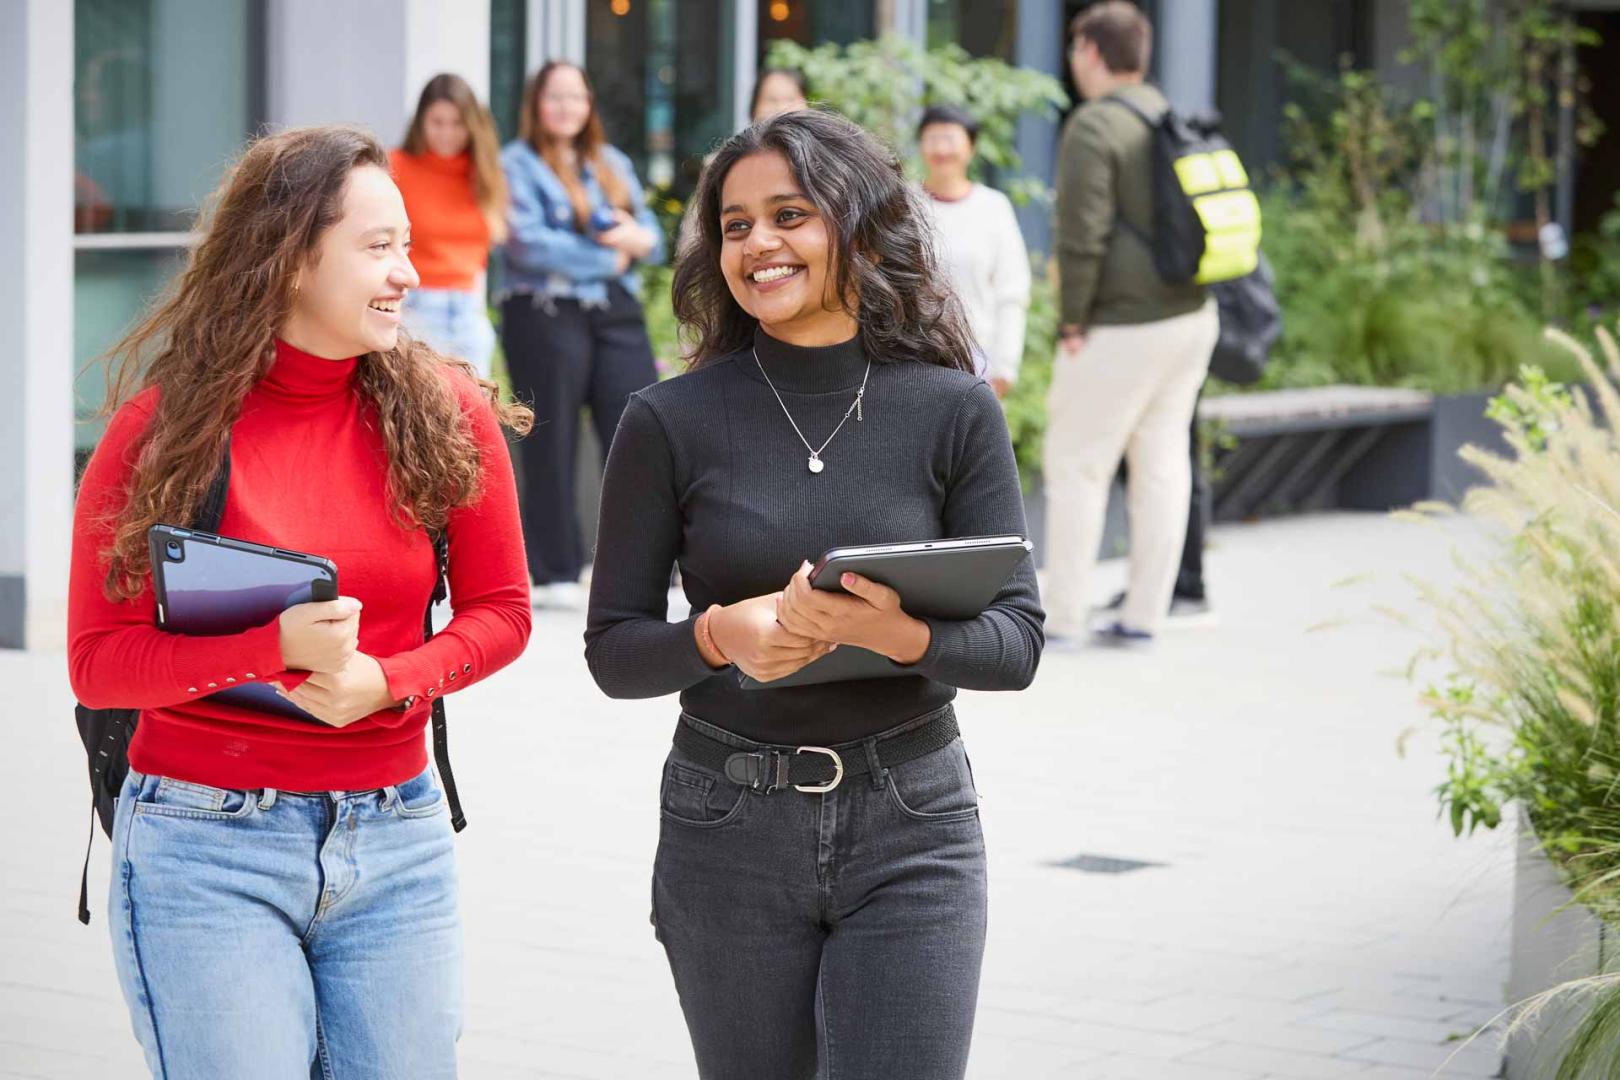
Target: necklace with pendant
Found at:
x=815, y=462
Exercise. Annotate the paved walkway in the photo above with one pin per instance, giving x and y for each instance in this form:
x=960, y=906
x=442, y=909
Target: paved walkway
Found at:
x=1305, y=916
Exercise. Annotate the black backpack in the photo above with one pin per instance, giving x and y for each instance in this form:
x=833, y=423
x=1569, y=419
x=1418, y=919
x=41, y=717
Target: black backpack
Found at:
x=1206, y=220
x=1251, y=322
x=106, y=733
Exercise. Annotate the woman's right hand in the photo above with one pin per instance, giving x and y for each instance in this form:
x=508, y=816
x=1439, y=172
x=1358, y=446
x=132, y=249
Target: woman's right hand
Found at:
x=321, y=636
x=750, y=637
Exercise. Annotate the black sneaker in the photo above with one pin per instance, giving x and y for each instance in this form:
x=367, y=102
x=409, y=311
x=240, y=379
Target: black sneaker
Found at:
x=1181, y=607
x=1119, y=636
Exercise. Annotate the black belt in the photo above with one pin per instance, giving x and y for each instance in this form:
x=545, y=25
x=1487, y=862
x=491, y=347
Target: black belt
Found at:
x=767, y=768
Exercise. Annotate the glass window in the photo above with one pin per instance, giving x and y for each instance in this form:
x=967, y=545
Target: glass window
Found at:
x=982, y=27
x=1253, y=87
x=508, y=31
x=812, y=23
x=663, y=81
x=110, y=290
x=166, y=90
x=166, y=93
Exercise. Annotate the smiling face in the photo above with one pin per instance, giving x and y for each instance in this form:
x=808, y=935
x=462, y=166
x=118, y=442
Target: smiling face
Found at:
x=565, y=104
x=777, y=254
x=349, y=293
x=946, y=150
x=443, y=129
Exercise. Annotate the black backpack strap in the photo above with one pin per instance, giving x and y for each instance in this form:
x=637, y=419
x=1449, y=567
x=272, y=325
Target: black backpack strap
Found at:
x=441, y=733
x=84, y=875
x=1136, y=111
x=107, y=732
x=212, y=510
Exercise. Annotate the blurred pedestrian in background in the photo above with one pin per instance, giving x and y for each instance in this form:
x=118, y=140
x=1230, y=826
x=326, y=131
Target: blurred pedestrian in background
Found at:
x=981, y=245
x=449, y=173
x=1133, y=349
x=777, y=90
x=571, y=323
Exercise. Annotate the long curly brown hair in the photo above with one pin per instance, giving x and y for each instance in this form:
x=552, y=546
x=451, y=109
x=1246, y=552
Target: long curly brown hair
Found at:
x=211, y=338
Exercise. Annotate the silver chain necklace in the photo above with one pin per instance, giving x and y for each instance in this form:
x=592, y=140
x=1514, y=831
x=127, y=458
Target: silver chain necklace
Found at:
x=816, y=464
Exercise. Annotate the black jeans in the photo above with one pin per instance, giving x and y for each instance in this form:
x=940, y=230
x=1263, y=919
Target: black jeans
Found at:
x=1190, y=578
x=563, y=356
x=840, y=932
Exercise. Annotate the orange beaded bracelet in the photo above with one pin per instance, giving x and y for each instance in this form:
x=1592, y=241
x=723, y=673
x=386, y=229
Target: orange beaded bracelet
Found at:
x=708, y=638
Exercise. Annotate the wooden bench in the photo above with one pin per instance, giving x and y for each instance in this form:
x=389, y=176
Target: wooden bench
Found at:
x=1279, y=451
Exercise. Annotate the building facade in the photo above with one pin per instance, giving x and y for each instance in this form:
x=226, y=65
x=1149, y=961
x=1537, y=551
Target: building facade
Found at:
x=121, y=115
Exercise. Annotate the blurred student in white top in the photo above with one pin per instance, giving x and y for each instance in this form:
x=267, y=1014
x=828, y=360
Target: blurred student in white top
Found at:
x=981, y=245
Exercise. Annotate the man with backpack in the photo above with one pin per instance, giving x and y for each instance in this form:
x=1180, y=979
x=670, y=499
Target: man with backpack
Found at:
x=1151, y=209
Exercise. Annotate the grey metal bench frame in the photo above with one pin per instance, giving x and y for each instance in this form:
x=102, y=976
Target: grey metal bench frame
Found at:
x=1297, y=448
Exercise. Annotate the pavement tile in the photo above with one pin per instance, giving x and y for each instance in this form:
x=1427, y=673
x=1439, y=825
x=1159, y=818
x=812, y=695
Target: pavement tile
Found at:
x=1308, y=896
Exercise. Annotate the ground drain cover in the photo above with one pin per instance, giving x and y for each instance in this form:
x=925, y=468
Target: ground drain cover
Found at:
x=1103, y=864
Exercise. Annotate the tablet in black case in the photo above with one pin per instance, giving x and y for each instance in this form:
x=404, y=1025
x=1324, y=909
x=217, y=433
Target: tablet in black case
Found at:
x=937, y=579
x=209, y=585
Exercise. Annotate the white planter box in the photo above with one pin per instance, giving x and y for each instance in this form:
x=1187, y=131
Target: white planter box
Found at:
x=1554, y=940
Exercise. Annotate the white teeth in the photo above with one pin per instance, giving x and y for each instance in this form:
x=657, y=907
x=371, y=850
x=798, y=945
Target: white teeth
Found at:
x=774, y=273
x=385, y=305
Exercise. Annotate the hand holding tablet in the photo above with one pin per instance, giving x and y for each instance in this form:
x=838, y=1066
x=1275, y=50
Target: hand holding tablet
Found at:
x=939, y=579
x=209, y=585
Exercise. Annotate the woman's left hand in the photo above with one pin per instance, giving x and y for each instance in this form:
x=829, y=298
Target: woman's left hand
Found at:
x=868, y=616
x=340, y=698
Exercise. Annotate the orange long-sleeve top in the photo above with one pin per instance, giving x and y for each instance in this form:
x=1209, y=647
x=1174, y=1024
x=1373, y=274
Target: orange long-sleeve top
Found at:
x=449, y=233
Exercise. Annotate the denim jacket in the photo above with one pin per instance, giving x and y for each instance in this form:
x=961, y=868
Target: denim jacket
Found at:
x=545, y=254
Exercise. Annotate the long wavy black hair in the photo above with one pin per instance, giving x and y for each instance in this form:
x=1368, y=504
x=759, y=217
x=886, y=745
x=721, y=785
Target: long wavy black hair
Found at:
x=883, y=263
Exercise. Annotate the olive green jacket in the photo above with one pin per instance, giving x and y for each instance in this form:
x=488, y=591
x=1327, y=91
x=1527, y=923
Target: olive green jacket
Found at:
x=1104, y=171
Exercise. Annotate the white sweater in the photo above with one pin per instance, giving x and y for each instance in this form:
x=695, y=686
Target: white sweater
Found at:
x=984, y=253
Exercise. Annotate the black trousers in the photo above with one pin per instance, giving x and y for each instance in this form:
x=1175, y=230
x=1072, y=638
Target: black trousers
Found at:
x=564, y=356
x=1190, y=579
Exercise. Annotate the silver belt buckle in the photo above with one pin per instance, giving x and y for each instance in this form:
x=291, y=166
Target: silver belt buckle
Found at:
x=838, y=770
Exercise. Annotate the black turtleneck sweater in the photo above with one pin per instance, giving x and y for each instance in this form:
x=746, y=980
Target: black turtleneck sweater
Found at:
x=706, y=471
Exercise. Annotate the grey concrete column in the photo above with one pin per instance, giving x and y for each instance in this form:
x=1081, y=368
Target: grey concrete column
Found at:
x=908, y=18
x=1187, y=32
x=745, y=59
x=316, y=75
x=1039, y=46
x=556, y=31
x=36, y=320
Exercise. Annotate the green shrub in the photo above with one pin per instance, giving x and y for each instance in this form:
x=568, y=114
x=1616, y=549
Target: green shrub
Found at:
x=1530, y=643
x=1025, y=404
x=883, y=85
x=1445, y=310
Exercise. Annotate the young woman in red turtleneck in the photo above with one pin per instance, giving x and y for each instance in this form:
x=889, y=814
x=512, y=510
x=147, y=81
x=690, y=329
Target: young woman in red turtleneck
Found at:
x=285, y=890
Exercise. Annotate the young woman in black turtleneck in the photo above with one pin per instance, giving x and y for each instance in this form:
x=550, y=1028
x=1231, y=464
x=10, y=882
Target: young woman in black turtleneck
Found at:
x=829, y=402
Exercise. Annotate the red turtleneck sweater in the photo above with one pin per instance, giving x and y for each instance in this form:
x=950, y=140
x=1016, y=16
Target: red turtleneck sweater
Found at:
x=449, y=236
x=308, y=472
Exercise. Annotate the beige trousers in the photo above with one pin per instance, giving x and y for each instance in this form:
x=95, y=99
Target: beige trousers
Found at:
x=1130, y=391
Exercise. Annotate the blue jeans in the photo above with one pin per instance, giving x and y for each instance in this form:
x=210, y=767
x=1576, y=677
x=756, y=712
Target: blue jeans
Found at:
x=453, y=322
x=836, y=936
x=263, y=934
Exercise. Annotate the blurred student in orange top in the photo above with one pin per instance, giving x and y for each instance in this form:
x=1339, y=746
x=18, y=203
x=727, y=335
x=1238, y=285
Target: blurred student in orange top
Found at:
x=449, y=172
